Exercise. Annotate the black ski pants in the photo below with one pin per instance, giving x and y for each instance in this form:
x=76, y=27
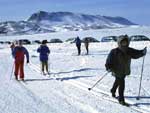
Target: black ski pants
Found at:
x=120, y=84
x=79, y=49
x=87, y=49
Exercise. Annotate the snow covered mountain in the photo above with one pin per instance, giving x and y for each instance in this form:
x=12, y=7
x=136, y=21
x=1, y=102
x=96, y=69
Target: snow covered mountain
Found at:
x=43, y=22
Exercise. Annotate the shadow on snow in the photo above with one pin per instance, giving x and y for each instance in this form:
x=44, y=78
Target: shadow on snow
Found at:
x=61, y=79
x=141, y=97
x=79, y=70
x=69, y=78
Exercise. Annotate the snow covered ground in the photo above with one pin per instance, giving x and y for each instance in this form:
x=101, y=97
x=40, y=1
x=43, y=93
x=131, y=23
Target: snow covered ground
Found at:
x=66, y=89
x=98, y=34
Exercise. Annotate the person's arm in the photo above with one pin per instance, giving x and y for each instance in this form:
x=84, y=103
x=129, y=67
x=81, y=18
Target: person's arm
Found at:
x=48, y=50
x=135, y=54
x=27, y=54
x=12, y=48
x=39, y=49
x=75, y=40
x=14, y=52
x=109, y=61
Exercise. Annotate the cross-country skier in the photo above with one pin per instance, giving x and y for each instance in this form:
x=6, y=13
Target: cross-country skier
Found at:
x=78, y=45
x=86, y=43
x=44, y=53
x=12, y=46
x=118, y=62
x=18, y=53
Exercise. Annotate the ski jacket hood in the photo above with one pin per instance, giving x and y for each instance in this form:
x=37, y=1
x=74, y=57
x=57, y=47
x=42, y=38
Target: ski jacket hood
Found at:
x=121, y=38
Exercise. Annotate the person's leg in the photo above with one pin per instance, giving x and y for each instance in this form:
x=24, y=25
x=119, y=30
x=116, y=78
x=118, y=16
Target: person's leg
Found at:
x=114, y=88
x=16, y=70
x=121, y=89
x=46, y=64
x=78, y=47
x=87, y=49
x=21, y=70
x=42, y=66
x=79, y=50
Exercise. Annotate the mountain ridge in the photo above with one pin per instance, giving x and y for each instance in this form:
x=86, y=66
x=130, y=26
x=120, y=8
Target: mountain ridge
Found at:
x=43, y=22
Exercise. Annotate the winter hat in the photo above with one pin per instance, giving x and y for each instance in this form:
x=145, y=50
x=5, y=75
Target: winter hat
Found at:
x=44, y=41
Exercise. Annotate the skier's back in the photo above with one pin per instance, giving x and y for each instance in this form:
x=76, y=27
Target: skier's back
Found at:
x=18, y=53
x=44, y=53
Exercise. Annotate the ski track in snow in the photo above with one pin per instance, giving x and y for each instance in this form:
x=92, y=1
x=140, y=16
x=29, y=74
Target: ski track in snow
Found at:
x=15, y=98
x=100, y=93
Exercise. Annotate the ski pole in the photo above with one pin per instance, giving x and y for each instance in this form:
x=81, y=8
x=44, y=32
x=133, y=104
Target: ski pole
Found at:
x=98, y=81
x=49, y=65
x=138, y=97
x=12, y=71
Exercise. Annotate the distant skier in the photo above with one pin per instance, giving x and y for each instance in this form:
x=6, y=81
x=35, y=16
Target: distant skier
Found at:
x=86, y=43
x=12, y=46
x=18, y=53
x=118, y=62
x=78, y=45
x=44, y=53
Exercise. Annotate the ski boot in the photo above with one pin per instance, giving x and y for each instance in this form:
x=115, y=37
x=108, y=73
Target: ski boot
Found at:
x=124, y=103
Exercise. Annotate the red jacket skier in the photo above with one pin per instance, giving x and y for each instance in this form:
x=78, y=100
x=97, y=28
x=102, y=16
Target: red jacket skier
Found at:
x=18, y=53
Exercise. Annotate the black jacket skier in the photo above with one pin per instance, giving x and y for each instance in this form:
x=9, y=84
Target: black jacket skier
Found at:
x=86, y=43
x=118, y=62
x=78, y=45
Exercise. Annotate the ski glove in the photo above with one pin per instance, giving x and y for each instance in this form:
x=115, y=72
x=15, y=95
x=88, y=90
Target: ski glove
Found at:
x=145, y=51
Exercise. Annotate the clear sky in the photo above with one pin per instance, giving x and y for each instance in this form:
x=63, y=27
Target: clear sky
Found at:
x=137, y=11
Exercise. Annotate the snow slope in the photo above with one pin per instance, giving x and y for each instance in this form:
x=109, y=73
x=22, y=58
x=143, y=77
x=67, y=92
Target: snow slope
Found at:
x=66, y=89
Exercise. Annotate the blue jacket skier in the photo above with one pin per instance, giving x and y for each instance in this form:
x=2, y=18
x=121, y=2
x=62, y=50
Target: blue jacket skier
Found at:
x=44, y=53
x=78, y=45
